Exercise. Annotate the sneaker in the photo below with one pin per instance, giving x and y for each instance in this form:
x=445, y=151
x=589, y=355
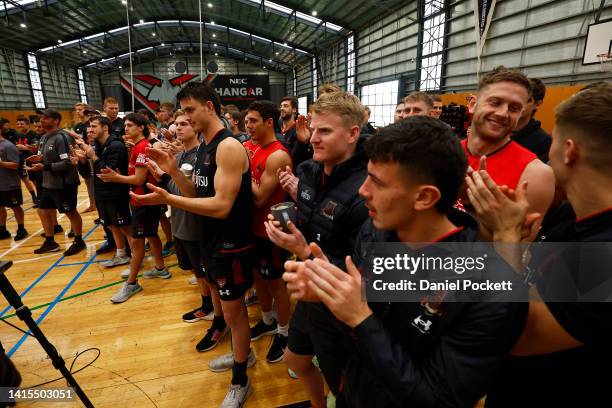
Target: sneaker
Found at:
x=47, y=247
x=70, y=234
x=97, y=221
x=126, y=272
x=261, y=329
x=277, y=348
x=75, y=248
x=292, y=374
x=193, y=280
x=236, y=395
x=57, y=229
x=198, y=314
x=168, y=249
x=105, y=248
x=251, y=298
x=21, y=234
x=125, y=292
x=116, y=261
x=155, y=273
x=226, y=362
x=5, y=234
x=213, y=336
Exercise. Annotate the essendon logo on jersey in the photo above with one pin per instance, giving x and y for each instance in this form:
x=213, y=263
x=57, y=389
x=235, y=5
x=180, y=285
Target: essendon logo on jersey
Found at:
x=328, y=210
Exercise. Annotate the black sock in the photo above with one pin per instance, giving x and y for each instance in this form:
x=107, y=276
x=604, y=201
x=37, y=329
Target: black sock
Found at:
x=239, y=375
x=49, y=239
x=207, y=303
x=33, y=194
x=219, y=321
x=78, y=238
x=2, y=228
x=20, y=227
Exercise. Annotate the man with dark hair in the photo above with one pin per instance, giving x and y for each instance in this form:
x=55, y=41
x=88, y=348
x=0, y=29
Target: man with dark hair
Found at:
x=112, y=199
x=60, y=183
x=288, y=113
x=268, y=157
x=10, y=189
x=417, y=103
x=145, y=219
x=223, y=197
x=84, y=167
x=295, y=133
x=564, y=347
x=496, y=109
x=529, y=132
x=27, y=140
x=7, y=132
x=397, y=114
x=428, y=354
x=236, y=121
x=330, y=213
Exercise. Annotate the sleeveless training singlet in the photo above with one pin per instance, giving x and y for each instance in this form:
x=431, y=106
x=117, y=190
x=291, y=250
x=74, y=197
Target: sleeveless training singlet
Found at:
x=505, y=165
x=259, y=156
x=231, y=235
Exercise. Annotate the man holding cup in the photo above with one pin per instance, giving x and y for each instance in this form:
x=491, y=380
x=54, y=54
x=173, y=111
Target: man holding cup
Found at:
x=267, y=156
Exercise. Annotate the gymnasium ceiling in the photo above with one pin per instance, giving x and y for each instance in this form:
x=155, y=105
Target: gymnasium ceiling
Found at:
x=94, y=33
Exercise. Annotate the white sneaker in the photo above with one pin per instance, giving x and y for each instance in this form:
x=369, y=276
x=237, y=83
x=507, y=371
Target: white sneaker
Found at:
x=226, y=361
x=126, y=272
x=116, y=261
x=125, y=292
x=193, y=280
x=155, y=273
x=236, y=395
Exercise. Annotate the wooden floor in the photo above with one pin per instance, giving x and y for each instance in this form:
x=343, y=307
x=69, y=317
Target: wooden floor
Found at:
x=148, y=356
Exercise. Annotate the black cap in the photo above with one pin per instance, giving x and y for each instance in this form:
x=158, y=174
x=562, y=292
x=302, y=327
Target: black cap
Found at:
x=52, y=113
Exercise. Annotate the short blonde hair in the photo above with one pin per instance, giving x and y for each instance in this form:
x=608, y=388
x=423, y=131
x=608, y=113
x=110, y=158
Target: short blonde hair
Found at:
x=343, y=104
x=110, y=100
x=328, y=88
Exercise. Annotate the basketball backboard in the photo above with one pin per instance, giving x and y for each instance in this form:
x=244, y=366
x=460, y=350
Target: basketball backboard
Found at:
x=598, y=41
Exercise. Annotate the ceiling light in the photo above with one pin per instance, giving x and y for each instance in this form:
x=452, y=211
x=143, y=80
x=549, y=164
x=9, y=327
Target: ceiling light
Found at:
x=314, y=13
x=59, y=41
x=209, y=5
x=162, y=44
x=153, y=34
x=84, y=51
x=277, y=53
x=216, y=54
x=120, y=67
x=215, y=44
x=285, y=44
x=212, y=23
x=23, y=25
x=124, y=2
x=141, y=21
x=214, y=35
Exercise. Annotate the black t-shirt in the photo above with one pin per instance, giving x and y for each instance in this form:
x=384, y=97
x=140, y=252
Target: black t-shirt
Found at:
x=117, y=129
x=81, y=129
x=231, y=235
x=574, y=377
x=29, y=138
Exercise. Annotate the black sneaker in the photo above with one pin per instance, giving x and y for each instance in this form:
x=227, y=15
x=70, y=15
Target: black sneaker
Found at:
x=97, y=221
x=105, y=248
x=70, y=234
x=47, y=246
x=261, y=329
x=199, y=314
x=21, y=234
x=213, y=336
x=277, y=348
x=75, y=248
x=5, y=234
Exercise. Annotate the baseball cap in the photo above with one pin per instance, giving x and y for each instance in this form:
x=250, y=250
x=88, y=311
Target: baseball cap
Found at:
x=51, y=113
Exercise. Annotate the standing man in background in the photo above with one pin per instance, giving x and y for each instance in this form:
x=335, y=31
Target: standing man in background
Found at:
x=10, y=189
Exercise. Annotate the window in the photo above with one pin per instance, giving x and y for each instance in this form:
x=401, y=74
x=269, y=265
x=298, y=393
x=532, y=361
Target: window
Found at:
x=381, y=99
x=35, y=83
x=350, y=64
x=294, y=82
x=303, y=105
x=432, y=47
x=315, y=82
x=82, y=90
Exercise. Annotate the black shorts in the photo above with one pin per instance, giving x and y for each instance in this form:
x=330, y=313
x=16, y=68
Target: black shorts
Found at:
x=268, y=259
x=145, y=221
x=11, y=198
x=230, y=275
x=114, y=212
x=188, y=255
x=64, y=200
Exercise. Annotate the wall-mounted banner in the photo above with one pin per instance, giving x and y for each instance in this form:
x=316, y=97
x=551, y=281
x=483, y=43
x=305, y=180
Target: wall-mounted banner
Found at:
x=241, y=90
x=483, y=13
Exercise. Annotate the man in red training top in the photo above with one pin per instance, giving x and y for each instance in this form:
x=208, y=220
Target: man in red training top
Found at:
x=496, y=108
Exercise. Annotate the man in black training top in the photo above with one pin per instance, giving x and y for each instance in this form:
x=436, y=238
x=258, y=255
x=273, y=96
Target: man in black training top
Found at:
x=10, y=189
x=429, y=354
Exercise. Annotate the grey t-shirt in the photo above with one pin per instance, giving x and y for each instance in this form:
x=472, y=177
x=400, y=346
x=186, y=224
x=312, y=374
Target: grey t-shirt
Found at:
x=184, y=223
x=9, y=179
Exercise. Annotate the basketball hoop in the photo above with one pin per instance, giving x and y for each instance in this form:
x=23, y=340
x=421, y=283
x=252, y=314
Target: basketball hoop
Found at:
x=605, y=61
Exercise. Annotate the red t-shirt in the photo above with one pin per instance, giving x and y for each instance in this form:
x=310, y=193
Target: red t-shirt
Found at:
x=506, y=165
x=259, y=155
x=138, y=158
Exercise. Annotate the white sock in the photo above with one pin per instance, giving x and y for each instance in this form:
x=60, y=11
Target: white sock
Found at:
x=283, y=330
x=121, y=252
x=267, y=317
